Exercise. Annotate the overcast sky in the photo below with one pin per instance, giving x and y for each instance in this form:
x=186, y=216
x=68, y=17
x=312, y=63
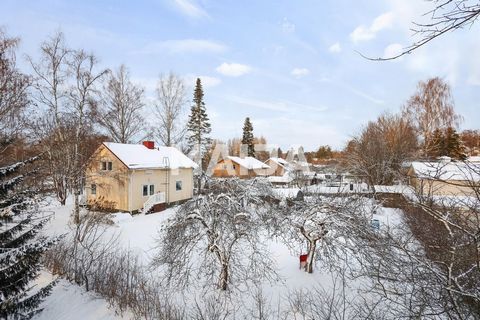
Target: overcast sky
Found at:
x=291, y=66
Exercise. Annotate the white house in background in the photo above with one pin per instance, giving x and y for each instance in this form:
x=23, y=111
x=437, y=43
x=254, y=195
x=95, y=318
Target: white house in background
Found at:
x=138, y=177
x=444, y=177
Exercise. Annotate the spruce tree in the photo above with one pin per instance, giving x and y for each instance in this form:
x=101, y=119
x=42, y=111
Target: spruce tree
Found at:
x=20, y=246
x=198, y=127
x=247, y=138
x=453, y=144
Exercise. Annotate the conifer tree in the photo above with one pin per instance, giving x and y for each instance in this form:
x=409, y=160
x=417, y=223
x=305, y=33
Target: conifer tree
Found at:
x=453, y=144
x=247, y=138
x=20, y=246
x=198, y=127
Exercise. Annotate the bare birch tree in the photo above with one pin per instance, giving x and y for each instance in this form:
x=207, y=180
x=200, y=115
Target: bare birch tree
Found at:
x=170, y=128
x=431, y=108
x=50, y=76
x=83, y=100
x=121, y=107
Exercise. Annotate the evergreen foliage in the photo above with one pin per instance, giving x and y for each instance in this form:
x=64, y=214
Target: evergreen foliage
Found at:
x=198, y=124
x=446, y=143
x=247, y=138
x=20, y=246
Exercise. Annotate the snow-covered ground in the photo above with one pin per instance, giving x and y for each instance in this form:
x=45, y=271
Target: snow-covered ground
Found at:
x=140, y=233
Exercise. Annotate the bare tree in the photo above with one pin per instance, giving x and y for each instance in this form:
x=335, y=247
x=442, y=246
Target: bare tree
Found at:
x=378, y=152
x=431, y=108
x=121, y=107
x=49, y=83
x=13, y=91
x=83, y=99
x=446, y=16
x=217, y=235
x=169, y=109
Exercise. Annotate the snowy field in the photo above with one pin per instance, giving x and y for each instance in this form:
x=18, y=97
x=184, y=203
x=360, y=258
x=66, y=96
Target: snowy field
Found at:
x=140, y=233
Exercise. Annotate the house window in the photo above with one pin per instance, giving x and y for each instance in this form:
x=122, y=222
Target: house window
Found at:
x=178, y=185
x=233, y=167
x=107, y=165
x=93, y=189
x=148, y=190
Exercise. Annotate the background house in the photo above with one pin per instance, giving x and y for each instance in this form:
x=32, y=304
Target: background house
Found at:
x=128, y=176
x=278, y=165
x=247, y=167
x=444, y=177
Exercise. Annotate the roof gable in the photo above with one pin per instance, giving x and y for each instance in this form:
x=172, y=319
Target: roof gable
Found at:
x=249, y=162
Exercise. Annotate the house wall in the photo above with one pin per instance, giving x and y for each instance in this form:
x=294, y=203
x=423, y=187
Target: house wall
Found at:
x=112, y=186
x=163, y=181
x=227, y=168
x=279, y=170
x=122, y=188
x=429, y=187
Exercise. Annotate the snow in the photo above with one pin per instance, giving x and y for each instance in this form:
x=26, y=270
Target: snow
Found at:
x=140, y=234
x=279, y=161
x=249, y=162
x=69, y=301
x=453, y=171
x=137, y=156
x=286, y=178
x=286, y=192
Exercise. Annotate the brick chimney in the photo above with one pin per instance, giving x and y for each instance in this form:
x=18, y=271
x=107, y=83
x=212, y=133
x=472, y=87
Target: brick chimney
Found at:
x=149, y=144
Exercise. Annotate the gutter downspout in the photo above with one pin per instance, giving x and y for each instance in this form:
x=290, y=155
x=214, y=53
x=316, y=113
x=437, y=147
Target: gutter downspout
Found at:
x=130, y=191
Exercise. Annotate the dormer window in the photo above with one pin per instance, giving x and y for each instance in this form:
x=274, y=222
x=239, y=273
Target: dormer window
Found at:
x=107, y=166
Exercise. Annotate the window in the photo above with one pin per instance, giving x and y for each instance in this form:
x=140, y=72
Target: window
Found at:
x=233, y=167
x=93, y=189
x=107, y=165
x=178, y=185
x=148, y=189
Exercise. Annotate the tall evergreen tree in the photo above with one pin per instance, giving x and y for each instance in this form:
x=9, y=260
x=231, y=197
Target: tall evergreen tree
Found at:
x=247, y=138
x=198, y=127
x=20, y=246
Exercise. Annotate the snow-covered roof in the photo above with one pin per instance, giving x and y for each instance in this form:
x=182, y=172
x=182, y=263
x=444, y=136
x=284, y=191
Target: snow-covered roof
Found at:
x=454, y=171
x=137, y=156
x=279, y=161
x=286, y=178
x=249, y=162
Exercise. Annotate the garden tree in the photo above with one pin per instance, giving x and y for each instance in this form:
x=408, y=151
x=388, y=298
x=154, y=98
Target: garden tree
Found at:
x=198, y=127
x=121, y=106
x=247, y=137
x=430, y=108
x=378, y=152
x=217, y=237
x=428, y=266
x=328, y=226
x=446, y=16
x=169, y=108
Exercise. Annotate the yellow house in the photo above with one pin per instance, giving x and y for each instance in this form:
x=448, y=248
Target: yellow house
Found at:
x=138, y=177
x=444, y=178
x=247, y=167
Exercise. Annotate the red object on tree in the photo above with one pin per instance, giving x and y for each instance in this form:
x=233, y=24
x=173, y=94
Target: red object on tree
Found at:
x=303, y=258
